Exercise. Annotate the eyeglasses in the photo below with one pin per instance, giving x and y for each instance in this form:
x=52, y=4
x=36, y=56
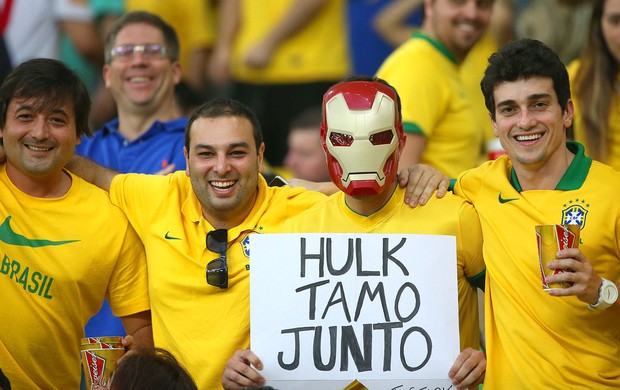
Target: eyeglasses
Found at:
x=149, y=51
x=217, y=270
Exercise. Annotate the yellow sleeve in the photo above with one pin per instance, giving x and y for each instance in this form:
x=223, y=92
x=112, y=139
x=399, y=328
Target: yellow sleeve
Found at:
x=138, y=195
x=470, y=244
x=128, y=288
x=415, y=76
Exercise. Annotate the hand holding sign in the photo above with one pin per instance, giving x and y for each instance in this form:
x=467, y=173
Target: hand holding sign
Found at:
x=239, y=372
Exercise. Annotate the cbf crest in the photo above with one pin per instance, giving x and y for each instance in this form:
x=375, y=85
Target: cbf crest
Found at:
x=575, y=213
x=245, y=246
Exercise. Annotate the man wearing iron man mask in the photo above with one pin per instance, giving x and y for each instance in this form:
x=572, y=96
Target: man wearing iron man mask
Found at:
x=363, y=137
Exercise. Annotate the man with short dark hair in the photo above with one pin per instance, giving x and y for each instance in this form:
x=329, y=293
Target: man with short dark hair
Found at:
x=533, y=336
x=196, y=226
x=564, y=337
x=64, y=246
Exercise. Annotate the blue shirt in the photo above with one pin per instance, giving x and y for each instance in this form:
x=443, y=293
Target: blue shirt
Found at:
x=368, y=49
x=161, y=145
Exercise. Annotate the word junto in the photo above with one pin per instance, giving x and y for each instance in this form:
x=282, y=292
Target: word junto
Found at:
x=413, y=353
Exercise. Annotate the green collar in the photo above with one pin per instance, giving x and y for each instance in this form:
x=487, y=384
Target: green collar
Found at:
x=574, y=176
x=437, y=45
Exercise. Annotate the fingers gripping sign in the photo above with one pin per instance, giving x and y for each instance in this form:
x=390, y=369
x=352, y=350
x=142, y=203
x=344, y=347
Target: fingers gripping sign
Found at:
x=241, y=371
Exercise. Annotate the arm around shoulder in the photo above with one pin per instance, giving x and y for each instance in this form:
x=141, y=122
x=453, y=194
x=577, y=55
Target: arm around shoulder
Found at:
x=91, y=172
x=327, y=187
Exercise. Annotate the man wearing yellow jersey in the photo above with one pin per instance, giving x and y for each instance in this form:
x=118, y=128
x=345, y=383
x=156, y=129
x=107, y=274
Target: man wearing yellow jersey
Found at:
x=363, y=137
x=564, y=338
x=63, y=245
x=441, y=125
x=195, y=225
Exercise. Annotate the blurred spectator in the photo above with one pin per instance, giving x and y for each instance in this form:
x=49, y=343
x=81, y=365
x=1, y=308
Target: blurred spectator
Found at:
x=282, y=56
x=141, y=72
x=438, y=115
x=148, y=369
x=594, y=77
x=305, y=157
x=31, y=29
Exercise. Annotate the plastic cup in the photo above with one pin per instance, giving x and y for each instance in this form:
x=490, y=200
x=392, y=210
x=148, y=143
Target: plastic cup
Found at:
x=551, y=239
x=99, y=357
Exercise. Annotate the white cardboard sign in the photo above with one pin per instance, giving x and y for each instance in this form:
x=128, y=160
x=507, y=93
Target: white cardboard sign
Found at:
x=330, y=308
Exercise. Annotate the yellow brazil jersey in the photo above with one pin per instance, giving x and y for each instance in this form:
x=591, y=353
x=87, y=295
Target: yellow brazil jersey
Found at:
x=448, y=216
x=193, y=21
x=317, y=52
x=532, y=337
x=613, y=136
x=60, y=257
x=435, y=103
x=200, y=324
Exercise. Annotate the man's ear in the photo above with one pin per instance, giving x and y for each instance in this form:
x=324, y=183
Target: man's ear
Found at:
x=186, y=154
x=569, y=113
x=176, y=72
x=494, y=125
x=261, y=157
x=106, y=75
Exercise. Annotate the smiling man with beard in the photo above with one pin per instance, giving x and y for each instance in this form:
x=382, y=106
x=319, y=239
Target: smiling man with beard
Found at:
x=196, y=227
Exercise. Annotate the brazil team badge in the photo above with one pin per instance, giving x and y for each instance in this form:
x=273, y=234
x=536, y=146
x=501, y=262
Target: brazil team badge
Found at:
x=575, y=214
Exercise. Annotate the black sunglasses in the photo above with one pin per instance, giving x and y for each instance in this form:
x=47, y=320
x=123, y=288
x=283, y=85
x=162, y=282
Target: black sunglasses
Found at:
x=217, y=269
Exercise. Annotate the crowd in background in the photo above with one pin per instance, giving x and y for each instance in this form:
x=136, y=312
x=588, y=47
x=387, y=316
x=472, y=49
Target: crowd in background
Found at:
x=281, y=65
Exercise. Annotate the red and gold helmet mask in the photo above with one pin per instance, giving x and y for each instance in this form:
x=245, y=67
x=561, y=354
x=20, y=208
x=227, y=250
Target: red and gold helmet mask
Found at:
x=362, y=135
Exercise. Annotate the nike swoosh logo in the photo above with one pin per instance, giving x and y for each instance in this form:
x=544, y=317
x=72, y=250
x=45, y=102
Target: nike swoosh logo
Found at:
x=167, y=237
x=502, y=200
x=8, y=236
